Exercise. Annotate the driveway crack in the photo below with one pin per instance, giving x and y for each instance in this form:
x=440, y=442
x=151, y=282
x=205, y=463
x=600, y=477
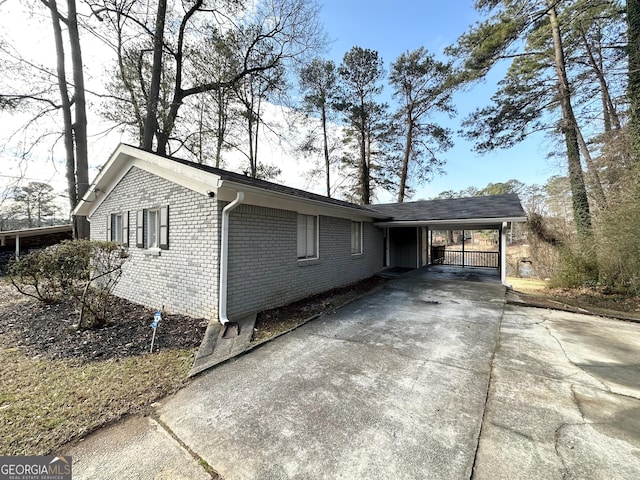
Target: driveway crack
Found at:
x=201, y=461
x=486, y=399
x=566, y=355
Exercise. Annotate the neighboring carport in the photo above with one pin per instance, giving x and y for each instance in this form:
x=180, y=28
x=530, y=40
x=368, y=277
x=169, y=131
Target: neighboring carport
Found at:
x=409, y=228
x=17, y=241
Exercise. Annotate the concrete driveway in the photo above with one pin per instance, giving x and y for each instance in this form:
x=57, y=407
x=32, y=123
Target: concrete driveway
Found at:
x=432, y=377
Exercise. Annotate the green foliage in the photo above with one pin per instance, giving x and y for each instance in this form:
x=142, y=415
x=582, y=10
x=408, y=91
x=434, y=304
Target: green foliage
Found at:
x=361, y=72
x=33, y=205
x=318, y=85
x=618, y=236
x=422, y=86
x=498, y=188
x=82, y=271
x=49, y=275
x=576, y=268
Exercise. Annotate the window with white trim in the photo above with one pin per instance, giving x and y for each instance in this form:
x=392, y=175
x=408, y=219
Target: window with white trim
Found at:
x=152, y=228
x=307, y=236
x=118, y=228
x=356, y=238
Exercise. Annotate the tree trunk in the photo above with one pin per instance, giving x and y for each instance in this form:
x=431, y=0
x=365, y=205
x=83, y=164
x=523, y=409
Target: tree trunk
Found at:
x=364, y=176
x=163, y=133
x=80, y=127
x=327, y=164
x=70, y=167
x=125, y=78
x=222, y=103
x=404, y=171
x=610, y=115
x=580, y=201
x=151, y=118
x=598, y=191
x=633, y=50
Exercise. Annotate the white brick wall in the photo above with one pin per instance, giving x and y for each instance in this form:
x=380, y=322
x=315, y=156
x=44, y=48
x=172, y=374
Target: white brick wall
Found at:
x=263, y=269
x=183, y=278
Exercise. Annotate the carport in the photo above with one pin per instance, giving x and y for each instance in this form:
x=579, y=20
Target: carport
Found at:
x=17, y=241
x=409, y=240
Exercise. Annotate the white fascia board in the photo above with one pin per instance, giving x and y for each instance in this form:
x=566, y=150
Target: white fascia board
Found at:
x=451, y=222
x=125, y=158
x=267, y=198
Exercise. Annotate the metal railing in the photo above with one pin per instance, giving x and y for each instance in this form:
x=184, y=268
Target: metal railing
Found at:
x=471, y=258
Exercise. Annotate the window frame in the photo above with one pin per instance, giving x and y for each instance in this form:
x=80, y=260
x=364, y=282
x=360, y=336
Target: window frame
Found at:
x=149, y=229
x=357, y=233
x=117, y=229
x=315, y=236
x=160, y=228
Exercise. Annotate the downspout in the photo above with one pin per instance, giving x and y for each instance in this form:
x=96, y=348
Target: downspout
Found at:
x=503, y=254
x=224, y=257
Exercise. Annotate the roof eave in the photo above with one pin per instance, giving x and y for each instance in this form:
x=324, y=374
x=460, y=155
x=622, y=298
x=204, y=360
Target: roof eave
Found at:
x=350, y=211
x=454, y=221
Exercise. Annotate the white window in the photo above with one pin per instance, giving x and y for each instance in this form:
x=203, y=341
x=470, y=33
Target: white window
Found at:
x=152, y=228
x=356, y=238
x=307, y=236
x=118, y=228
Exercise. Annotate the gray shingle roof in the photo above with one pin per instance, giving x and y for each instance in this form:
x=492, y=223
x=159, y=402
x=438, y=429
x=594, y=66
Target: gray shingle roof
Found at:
x=494, y=206
x=274, y=187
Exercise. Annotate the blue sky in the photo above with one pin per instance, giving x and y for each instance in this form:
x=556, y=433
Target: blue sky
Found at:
x=390, y=27
x=393, y=27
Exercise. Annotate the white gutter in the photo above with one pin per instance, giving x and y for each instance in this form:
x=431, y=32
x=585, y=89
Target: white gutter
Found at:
x=224, y=257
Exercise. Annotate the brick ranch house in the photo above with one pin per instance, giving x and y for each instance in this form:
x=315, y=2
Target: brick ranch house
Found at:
x=210, y=243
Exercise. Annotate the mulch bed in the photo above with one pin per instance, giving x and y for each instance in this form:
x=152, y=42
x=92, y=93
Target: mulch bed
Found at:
x=46, y=330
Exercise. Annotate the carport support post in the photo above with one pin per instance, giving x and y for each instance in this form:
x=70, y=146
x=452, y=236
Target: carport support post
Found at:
x=503, y=253
x=17, y=247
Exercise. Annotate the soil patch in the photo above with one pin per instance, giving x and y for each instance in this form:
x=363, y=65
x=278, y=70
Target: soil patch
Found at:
x=593, y=301
x=46, y=330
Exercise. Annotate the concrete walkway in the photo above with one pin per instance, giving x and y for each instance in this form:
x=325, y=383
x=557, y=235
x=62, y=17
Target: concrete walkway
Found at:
x=429, y=378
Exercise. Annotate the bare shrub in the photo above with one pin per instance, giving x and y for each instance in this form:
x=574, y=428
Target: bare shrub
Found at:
x=618, y=240
x=107, y=259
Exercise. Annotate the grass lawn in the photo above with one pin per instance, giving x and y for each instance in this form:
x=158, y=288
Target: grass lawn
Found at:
x=54, y=387
x=527, y=285
x=45, y=403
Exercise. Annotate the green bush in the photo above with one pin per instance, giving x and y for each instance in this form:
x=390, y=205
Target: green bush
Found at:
x=619, y=246
x=82, y=271
x=49, y=275
x=576, y=268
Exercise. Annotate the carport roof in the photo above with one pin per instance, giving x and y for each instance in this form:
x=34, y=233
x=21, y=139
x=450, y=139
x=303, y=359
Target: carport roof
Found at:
x=472, y=211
